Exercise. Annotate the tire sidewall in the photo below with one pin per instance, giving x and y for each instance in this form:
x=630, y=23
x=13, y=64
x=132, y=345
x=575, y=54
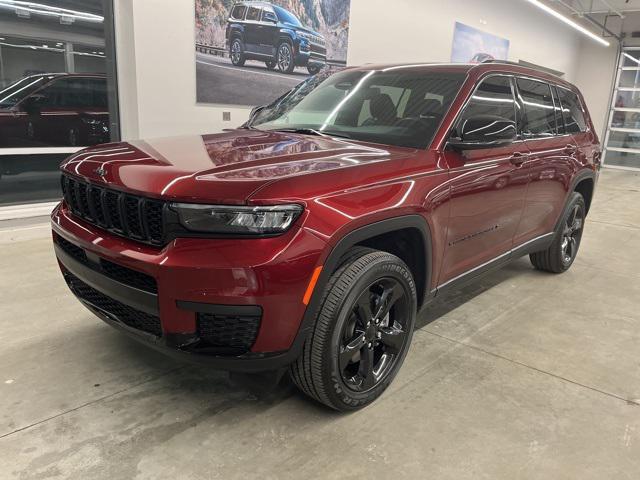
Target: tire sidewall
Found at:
x=292, y=64
x=241, y=58
x=576, y=199
x=339, y=392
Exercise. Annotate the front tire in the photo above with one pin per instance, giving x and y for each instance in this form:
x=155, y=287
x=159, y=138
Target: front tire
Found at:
x=284, y=58
x=236, y=53
x=361, y=334
x=313, y=68
x=559, y=257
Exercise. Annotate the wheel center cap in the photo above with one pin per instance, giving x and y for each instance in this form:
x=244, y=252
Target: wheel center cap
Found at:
x=370, y=334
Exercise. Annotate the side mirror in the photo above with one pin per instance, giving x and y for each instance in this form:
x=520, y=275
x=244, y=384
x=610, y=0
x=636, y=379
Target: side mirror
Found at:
x=32, y=104
x=484, y=131
x=255, y=111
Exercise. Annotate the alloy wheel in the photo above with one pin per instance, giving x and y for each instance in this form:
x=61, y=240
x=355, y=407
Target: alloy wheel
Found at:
x=284, y=57
x=374, y=335
x=571, y=234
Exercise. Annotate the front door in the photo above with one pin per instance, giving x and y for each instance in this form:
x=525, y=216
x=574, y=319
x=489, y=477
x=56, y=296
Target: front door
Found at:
x=487, y=187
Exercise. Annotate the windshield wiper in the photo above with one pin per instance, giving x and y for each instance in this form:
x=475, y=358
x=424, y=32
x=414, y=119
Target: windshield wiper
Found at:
x=312, y=131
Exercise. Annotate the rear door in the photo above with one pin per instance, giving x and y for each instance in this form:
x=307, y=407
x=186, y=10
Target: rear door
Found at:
x=550, y=164
x=252, y=29
x=488, y=188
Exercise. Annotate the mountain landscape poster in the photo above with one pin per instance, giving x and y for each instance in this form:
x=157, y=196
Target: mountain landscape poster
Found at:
x=249, y=52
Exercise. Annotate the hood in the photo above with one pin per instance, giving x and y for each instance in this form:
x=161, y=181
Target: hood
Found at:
x=221, y=168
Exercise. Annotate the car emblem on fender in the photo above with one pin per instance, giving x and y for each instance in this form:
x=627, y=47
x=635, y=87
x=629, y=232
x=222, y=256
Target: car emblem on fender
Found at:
x=100, y=171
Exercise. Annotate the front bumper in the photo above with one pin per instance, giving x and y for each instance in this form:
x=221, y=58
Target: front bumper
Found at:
x=192, y=288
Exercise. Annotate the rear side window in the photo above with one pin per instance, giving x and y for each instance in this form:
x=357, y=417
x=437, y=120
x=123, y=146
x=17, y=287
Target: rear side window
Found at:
x=573, y=114
x=493, y=96
x=238, y=12
x=538, y=108
x=253, y=14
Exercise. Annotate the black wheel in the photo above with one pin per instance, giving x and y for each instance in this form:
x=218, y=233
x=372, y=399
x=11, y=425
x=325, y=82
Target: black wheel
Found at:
x=313, y=68
x=362, y=332
x=271, y=64
x=285, y=60
x=236, y=53
x=564, y=249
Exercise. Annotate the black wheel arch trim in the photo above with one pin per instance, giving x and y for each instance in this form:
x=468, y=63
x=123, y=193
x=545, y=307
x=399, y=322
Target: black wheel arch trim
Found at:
x=348, y=241
x=579, y=177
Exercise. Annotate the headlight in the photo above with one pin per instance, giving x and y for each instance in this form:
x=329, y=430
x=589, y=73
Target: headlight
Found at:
x=239, y=220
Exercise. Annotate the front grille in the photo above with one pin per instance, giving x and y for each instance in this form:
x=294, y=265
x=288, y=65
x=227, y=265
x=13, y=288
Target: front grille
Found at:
x=127, y=315
x=230, y=334
x=125, y=275
x=134, y=217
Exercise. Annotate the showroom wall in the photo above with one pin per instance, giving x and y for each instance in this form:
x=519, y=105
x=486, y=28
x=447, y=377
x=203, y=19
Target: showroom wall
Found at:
x=156, y=57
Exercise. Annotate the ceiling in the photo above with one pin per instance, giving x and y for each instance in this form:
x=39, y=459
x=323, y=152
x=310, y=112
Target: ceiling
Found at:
x=602, y=6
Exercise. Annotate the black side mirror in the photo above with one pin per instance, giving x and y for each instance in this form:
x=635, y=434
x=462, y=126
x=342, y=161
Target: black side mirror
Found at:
x=255, y=111
x=32, y=105
x=484, y=131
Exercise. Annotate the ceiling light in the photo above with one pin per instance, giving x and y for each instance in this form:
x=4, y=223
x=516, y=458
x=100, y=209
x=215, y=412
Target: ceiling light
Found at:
x=569, y=22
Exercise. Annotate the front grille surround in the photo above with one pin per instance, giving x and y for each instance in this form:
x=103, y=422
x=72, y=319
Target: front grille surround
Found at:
x=131, y=216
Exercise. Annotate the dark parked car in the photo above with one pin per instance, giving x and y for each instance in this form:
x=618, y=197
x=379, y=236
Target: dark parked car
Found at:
x=269, y=33
x=55, y=109
x=309, y=239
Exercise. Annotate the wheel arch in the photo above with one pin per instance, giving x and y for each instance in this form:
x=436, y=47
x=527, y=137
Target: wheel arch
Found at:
x=585, y=187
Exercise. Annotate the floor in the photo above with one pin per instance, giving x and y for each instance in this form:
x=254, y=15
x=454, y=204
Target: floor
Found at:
x=525, y=375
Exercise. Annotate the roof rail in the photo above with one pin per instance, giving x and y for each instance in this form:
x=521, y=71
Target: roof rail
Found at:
x=506, y=62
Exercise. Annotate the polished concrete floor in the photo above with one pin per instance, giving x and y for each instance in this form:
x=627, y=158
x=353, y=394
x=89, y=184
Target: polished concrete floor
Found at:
x=524, y=375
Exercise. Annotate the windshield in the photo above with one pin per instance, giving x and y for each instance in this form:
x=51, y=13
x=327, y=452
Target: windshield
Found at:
x=394, y=107
x=287, y=17
x=15, y=92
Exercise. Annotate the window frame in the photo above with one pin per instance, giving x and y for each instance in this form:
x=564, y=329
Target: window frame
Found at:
x=238, y=6
x=257, y=20
x=587, y=125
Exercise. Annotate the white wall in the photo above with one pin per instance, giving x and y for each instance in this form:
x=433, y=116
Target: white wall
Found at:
x=157, y=68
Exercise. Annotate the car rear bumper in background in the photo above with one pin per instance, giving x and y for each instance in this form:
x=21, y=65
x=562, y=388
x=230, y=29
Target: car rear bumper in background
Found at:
x=235, y=304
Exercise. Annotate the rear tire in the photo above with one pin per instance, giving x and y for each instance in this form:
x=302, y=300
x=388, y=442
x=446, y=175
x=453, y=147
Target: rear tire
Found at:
x=559, y=257
x=362, y=331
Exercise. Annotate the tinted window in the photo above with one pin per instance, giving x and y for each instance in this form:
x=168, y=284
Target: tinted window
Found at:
x=573, y=115
x=538, y=108
x=269, y=16
x=253, y=14
x=558, y=111
x=396, y=107
x=238, y=12
x=492, y=97
x=20, y=90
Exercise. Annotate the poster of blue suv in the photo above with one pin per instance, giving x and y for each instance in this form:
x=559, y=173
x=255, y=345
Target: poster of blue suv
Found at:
x=251, y=52
x=471, y=45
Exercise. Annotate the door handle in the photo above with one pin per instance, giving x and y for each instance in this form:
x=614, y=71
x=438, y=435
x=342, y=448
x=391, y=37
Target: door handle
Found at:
x=570, y=149
x=518, y=158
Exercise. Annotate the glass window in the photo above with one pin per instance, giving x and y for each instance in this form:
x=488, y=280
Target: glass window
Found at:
x=57, y=89
x=238, y=12
x=253, y=14
x=287, y=17
x=493, y=96
x=539, y=110
x=572, y=111
x=369, y=106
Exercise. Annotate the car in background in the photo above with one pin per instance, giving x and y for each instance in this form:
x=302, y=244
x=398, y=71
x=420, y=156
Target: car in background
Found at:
x=55, y=109
x=269, y=33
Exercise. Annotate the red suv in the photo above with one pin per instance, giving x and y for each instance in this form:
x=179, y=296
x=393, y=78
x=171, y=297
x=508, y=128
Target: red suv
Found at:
x=309, y=238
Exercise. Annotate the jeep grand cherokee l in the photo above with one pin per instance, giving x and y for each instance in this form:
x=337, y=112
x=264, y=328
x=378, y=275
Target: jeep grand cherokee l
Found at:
x=309, y=239
x=269, y=33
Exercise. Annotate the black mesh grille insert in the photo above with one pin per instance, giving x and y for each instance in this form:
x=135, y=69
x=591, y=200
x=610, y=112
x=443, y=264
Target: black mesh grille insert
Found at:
x=128, y=315
x=231, y=334
x=125, y=275
x=133, y=217
x=130, y=277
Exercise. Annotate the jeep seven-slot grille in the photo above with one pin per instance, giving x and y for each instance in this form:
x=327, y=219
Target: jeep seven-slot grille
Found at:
x=127, y=315
x=134, y=217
